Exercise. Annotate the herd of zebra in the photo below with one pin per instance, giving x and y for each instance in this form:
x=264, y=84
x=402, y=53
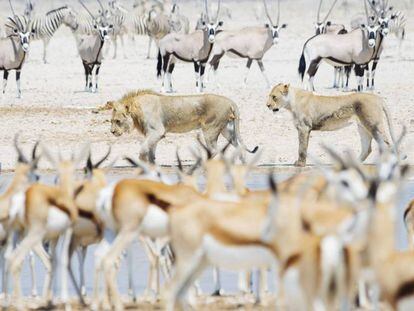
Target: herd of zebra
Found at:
x=170, y=30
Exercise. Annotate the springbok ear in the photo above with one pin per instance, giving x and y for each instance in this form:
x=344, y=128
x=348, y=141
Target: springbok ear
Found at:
x=283, y=26
x=220, y=23
x=267, y=25
x=405, y=170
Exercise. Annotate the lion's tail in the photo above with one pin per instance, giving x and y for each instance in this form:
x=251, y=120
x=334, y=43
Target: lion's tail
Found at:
x=302, y=65
x=237, y=130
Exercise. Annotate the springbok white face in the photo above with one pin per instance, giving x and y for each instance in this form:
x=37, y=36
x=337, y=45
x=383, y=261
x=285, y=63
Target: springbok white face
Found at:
x=275, y=31
x=211, y=29
x=372, y=33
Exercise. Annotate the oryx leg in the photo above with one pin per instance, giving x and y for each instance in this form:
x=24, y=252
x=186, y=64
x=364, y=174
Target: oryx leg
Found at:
x=373, y=68
x=303, y=135
x=46, y=41
x=115, y=43
x=368, y=75
x=248, y=65
x=347, y=70
x=313, y=68
x=359, y=72
x=366, y=140
x=169, y=74
x=5, y=77
x=98, y=67
x=155, y=133
x=165, y=64
x=197, y=74
x=336, y=79
x=262, y=69
x=214, y=64
x=202, y=70
x=86, y=67
x=19, y=89
x=124, y=238
x=149, y=47
x=90, y=77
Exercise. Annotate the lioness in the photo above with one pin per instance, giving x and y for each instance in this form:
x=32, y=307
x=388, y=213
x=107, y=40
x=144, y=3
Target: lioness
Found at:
x=328, y=113
x=154, y=115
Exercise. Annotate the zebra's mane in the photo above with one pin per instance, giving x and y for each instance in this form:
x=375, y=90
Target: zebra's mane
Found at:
x=56, y=10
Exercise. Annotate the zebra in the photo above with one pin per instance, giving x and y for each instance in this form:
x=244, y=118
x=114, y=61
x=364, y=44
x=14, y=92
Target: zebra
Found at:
x=120, y=18
x=397, y=25
x=44, y=27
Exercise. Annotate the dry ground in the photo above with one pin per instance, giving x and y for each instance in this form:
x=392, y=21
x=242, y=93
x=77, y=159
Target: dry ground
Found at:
x=55, y=108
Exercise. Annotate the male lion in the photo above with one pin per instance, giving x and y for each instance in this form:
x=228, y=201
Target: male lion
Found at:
x=154, y=115
x=327, y=113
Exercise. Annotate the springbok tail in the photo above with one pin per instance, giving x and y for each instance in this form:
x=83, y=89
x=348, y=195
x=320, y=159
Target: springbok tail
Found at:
x=302, y=66
x=159, y=64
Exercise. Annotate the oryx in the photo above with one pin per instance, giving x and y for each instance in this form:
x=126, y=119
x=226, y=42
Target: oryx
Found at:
x=324, y=26
x=249, y=42
x=357, y=47
x=194, y=47
x=90, y=48
x=14, y=47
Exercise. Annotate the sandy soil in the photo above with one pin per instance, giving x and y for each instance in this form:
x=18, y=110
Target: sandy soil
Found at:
x=55, y=108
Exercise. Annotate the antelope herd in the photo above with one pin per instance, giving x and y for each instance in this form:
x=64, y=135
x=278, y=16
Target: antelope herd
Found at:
x=321, y=239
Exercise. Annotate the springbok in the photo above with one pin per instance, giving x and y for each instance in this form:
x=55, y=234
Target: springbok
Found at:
x=14, y=48
x=25, y=174
x=357, y=47
x=90, y=48
x=249, y=42
x=194, y=47
x=47, y=213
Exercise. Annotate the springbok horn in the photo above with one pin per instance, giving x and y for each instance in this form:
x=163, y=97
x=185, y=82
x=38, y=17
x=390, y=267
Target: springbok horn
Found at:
x=21, y=157
x=353, y=162
x=335, y=156
x=34, y=151
x=89, y=165
x=402, y=135
x=98, y=164
x=330, y=10
x=224, y=149
x=180, y=165
x=267, y=12
x=102, y=7
x=48, y=155
x=139, y=164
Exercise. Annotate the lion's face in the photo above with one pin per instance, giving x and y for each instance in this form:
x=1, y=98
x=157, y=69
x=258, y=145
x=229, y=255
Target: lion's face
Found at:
x=277, y=96
x=119, y=121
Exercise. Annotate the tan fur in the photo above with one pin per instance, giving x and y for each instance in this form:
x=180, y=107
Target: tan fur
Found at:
x=327, y=113
x=154, y=115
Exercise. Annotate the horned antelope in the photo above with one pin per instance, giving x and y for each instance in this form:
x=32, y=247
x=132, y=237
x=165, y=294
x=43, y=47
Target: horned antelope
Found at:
x=25, y=174
x=249, y=42
x=44, y=27
x=120, y=17
x=47, y=213
x=357, y=47
x=14, y=48
x=194, y=47
x=323, y=26
x=90, y=48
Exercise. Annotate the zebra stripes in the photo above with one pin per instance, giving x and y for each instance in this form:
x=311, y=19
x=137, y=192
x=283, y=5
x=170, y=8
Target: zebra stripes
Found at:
x=44, y=27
